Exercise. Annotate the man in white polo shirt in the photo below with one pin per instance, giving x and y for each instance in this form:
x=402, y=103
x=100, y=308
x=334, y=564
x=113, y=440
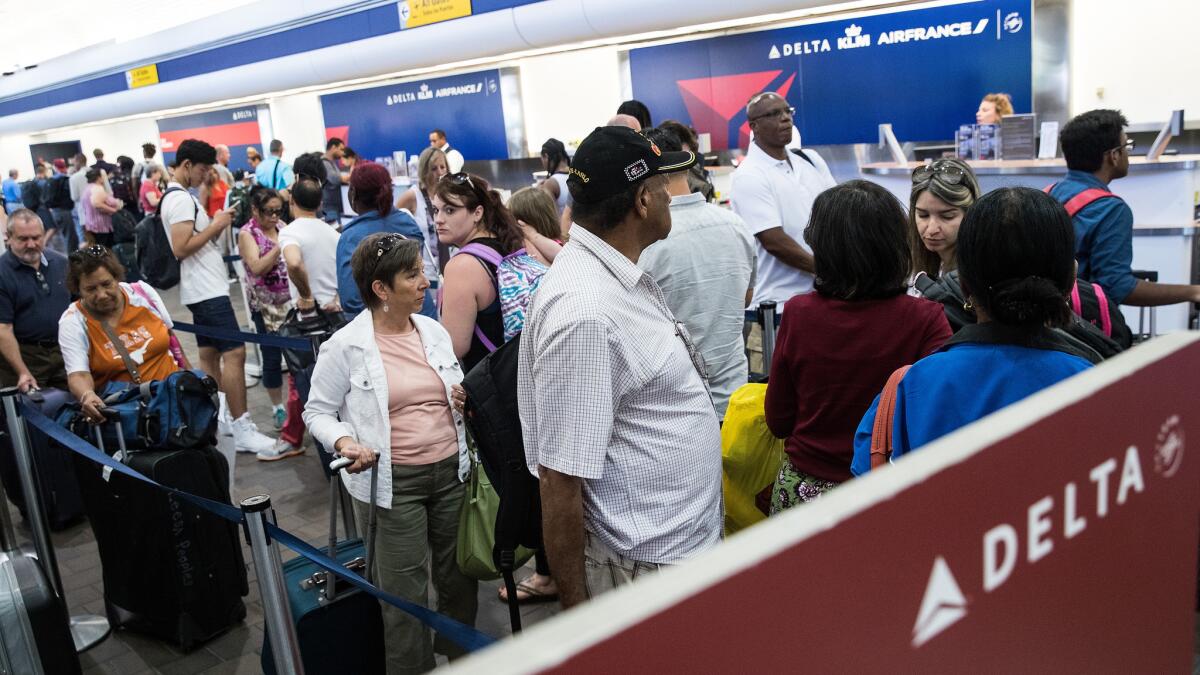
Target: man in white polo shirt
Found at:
x=204, y=285
x=615, y=412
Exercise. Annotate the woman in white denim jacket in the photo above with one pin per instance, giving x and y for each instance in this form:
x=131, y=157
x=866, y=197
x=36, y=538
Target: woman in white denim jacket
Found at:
x=388, y=383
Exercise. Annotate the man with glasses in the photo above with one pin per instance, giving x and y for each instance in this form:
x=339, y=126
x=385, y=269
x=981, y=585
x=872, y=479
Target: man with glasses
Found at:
x=1097, y=152
x=773, y=191
x=33, y=295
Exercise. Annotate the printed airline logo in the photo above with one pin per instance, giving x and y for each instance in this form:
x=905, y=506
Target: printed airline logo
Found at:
x=1013, y=23
x=239, y=115
x=944, y=603
x=854, y=38
x=425, y=93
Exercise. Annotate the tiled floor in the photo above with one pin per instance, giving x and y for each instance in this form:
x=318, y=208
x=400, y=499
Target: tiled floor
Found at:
x=300, y=496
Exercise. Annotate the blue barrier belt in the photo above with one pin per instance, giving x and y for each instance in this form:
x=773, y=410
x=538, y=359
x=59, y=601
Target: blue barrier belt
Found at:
x=752, y=317
x=231, y=258
x=231, y=335
x=464, y=636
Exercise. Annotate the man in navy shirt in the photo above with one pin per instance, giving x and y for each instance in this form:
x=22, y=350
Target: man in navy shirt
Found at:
x=1097, y=153
x=33, y=295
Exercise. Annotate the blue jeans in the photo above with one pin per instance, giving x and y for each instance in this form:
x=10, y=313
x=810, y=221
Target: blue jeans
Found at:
x=429, y=308
x=272, y=357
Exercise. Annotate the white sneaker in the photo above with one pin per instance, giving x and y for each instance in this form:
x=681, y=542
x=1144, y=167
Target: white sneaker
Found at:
x=280, y=450
x=247, y=438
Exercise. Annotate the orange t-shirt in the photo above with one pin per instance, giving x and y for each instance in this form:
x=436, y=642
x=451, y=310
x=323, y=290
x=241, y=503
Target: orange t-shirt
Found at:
x=146, y=339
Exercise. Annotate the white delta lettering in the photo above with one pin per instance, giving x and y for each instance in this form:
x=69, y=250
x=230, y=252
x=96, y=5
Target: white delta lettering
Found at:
x=806, y=47
x=1001, y=544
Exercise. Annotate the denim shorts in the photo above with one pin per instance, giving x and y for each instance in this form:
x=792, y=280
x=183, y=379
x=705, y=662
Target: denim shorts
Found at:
x=215, y=313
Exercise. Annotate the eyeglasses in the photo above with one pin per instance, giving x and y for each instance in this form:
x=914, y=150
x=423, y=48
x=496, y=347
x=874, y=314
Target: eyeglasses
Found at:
x=272, y=213
x=1128, y=146
x=93, y=251
x=950, y=173
x=460, y=178
x=777, y=113
x=41, y=279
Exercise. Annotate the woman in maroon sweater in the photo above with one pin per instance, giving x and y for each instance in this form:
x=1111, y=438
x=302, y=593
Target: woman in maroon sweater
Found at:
x=837, y=345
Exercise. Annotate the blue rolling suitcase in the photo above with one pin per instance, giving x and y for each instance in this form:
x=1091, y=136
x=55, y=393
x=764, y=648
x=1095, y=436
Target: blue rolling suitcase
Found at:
x=339, y=628
x=55, y=466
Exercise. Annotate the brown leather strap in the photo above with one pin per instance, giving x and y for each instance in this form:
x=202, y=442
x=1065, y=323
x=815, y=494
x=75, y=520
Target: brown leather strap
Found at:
x=885, y=420
x=120, y=347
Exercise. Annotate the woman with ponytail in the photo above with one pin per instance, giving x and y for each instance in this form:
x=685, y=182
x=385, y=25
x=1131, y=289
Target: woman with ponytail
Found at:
x=1016, y=264
x=556, y=163
x=371, y=198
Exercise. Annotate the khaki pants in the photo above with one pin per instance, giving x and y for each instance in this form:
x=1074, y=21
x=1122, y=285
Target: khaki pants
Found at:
x=44, y=363
x=422, y=524
x=604, y=569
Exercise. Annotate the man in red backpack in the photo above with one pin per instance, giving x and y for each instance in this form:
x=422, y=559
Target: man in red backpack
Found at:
x=1097, y=152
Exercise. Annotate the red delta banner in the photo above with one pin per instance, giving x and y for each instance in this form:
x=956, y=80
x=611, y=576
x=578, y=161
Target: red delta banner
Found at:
x=1057, y=535
x=237, y=128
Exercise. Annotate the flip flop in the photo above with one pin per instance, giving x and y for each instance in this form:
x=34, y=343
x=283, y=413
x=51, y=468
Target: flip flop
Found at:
x=532, y=594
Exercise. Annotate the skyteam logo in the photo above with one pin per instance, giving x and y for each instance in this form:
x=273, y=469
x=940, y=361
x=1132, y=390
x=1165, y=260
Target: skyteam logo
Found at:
x=1013, y=23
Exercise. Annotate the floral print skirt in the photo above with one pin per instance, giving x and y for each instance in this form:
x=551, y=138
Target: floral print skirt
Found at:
x=794, y=487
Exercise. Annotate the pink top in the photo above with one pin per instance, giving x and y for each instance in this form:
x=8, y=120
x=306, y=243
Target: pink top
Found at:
x=422, y=426
x=148, y=186
x=93, y=219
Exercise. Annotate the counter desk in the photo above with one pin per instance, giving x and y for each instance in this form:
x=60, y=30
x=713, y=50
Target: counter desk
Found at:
x=1163, y=195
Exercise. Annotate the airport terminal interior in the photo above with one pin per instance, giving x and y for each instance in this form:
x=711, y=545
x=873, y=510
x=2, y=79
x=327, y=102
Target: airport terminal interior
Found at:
x=676, y=336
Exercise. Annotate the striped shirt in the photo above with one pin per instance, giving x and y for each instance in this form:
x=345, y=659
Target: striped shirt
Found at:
x=611, y=391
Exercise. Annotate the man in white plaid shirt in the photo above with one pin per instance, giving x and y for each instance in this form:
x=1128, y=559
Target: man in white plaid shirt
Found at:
x=615, y=408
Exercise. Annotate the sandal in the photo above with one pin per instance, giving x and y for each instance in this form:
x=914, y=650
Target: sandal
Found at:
x=531, y=594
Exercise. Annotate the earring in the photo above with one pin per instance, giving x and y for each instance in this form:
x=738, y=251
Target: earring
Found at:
x=966, y=305
x=385, y=307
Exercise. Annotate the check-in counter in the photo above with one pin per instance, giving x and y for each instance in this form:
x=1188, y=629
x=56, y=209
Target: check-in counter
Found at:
x=1163, y=195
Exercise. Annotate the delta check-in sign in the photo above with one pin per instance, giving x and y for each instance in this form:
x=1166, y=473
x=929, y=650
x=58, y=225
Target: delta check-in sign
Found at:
x=924, y=71
x=235, y=127
x=1058, y=535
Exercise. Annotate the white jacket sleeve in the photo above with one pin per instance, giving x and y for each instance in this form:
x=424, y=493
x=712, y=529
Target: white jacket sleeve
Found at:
x=330, y=384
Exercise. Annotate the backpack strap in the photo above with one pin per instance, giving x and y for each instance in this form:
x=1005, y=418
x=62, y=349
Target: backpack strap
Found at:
x=885, y=420
x=1080, y=201
x=1076, y=303
x=492, y=256
x=1105, y=318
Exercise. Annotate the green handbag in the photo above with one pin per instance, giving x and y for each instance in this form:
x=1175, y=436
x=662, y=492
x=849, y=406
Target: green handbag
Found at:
x=477, y=528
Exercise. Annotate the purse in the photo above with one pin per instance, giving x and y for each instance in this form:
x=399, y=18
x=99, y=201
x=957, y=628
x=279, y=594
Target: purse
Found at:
x=477, y=528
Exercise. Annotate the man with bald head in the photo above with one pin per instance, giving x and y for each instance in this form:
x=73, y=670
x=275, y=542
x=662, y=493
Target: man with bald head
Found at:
x=222, y=165
x=773, y=191
x=623, y=120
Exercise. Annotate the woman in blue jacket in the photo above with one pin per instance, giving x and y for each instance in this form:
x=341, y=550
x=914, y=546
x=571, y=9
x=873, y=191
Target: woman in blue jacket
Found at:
x=1016, y=264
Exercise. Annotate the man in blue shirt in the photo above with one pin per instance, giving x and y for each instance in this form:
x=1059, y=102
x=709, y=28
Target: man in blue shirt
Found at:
x=12, y=191
x=33, y=295
x=1097, y=152
x=273, y=172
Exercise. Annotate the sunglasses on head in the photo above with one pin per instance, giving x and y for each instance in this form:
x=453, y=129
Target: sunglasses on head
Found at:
x=949, y=173
x=93, y=251
x=460, y=178
x=386, y=244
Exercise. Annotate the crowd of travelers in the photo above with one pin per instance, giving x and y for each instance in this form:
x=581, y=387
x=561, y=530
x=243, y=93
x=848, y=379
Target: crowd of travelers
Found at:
x=627, y=286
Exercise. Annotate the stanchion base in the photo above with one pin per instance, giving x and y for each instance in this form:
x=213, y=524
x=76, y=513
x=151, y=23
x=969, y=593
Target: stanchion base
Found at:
x=88, y=630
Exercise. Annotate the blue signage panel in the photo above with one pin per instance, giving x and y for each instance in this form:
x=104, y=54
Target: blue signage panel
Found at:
x=377, y=121
x=923, y=70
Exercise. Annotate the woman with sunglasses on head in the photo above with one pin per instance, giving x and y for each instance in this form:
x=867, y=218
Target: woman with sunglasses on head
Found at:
x=467, y=210
x=371, y=198
x=941, y=194
x=1017, y=265
x=386, y=390
x=431, y=166
x=112, y=320
x=270, y=299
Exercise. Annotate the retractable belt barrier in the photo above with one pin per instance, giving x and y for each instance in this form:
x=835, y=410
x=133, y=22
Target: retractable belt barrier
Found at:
x=231, y=258
x=464, y=636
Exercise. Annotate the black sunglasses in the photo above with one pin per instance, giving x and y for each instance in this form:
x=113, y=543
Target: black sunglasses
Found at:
x=387, y=244
x=272, y=212
x=460, y=178
x=950, y=173
x=93, y=251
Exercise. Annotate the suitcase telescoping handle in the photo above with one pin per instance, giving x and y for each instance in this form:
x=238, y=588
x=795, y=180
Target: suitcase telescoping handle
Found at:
x=111, y=414
x=766, y=314
x=334, y=485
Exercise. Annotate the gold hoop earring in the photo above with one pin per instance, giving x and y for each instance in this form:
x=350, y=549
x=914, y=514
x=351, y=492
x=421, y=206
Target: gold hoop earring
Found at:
x=966, y=305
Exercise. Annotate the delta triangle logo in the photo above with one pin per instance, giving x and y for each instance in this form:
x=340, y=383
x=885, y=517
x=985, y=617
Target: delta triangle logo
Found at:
x=943, y=605
x=774, y=51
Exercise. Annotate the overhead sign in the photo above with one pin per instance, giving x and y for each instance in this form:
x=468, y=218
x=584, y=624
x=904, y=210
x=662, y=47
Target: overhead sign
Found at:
x=1058, y=535
x=142, y=77
x=235, y=127
x=924, y=71
x=414, y=13
x=380, y=120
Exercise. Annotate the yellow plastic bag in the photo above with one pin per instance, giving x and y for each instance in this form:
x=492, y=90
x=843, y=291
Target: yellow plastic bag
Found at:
x=750, y=456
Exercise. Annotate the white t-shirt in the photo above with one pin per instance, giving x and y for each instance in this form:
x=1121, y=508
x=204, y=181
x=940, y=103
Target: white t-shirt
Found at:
x=454, y=159
x=318, y=247
x=72, y=327
x=769, y=193
x=202, y=275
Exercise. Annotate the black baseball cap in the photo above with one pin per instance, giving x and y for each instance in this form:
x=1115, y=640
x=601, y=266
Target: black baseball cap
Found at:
x=611, y=159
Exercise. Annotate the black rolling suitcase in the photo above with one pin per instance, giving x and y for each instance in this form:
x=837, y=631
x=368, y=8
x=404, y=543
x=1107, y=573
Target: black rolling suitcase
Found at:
x=170, y=569
x=55, y=466
x=35, y=632
x=339, y=628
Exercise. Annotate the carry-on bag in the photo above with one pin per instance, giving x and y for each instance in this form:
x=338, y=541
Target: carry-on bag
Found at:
x=55, y=466
x=35, y=631
x=339, y=627
x=170, y=569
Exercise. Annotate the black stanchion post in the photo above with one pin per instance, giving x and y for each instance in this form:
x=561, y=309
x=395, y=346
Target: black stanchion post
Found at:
x=767, y=314
x=285, y=648
x=87, y=630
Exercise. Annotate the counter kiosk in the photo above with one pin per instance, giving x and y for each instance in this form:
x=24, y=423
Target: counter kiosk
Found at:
x=1163, y=195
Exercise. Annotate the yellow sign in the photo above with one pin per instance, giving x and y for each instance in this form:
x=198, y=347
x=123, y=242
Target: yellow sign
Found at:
x=142, y=77
x=425, y=12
